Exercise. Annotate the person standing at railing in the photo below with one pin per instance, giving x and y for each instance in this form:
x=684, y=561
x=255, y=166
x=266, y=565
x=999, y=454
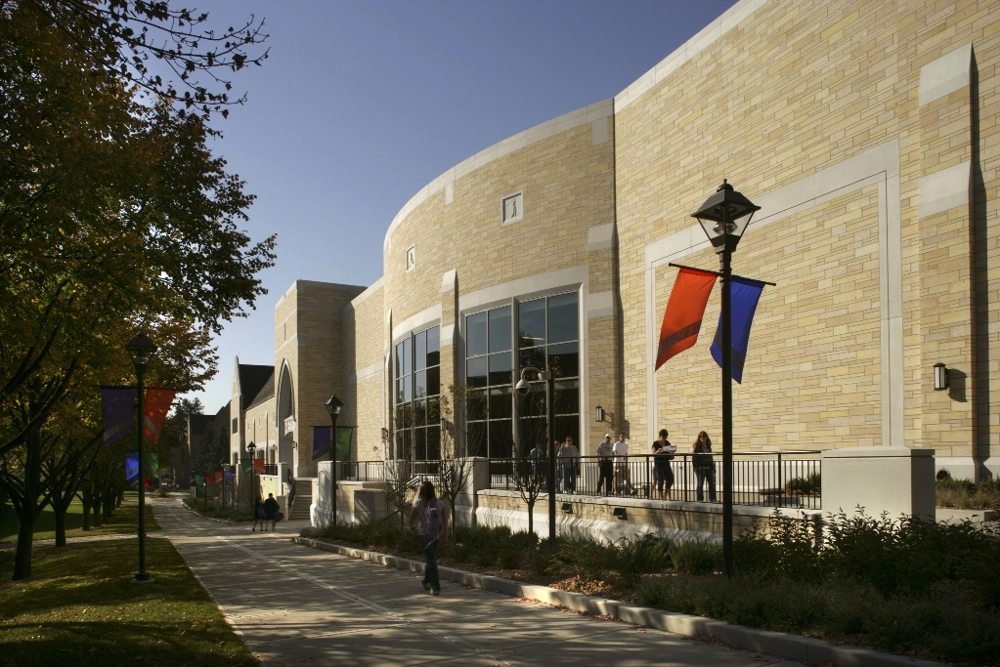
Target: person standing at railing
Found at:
x=663, y=454
x=623, y=481
x=704, y=466
x=605, y=465
x=569, y=462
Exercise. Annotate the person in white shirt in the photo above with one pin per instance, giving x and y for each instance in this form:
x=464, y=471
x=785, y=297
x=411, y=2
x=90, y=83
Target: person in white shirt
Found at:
x=623, y=481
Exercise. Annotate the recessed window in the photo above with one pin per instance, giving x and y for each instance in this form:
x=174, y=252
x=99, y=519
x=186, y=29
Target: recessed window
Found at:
x=417, y=395
x=236, y=425
x=512, y=208
x=411, y=257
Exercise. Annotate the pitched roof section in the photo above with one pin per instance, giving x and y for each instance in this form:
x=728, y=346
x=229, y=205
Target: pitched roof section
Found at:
x=266, y=393
x=252, y=380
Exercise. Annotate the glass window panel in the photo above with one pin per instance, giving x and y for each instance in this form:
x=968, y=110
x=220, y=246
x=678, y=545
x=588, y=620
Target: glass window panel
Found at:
x=433, y=443
x=500, y=329
x=420, y=413
x=475, y=404
x=434, y=346
x=420, y=383
x=434, y=411
x=531, y=322
x=500, y=405
x=404, y=416
x=475, y=332
x=420, y=444
x=567, y=397
x=476, y=439
x=434, y=381
x=563, y=318
x=407, y=356
x=501, y=439
x=420, y=354
x=534, y=356
x=405, y=442
x=399, y=361
x=475, y=372
x=403, y=390
x=500, y=371
x=564, y=360
x=532, y=433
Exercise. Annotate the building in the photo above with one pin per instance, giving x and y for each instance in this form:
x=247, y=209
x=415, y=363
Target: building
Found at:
x=867, y=133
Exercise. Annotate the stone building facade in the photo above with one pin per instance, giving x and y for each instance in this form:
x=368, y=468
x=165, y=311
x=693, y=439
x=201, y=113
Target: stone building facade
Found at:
x=866, y=132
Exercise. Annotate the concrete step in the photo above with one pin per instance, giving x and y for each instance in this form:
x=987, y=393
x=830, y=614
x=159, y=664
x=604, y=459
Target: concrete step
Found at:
x=302, y=501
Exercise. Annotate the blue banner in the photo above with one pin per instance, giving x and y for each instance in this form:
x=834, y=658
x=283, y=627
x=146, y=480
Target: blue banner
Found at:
x=132, y=466
x=743, y=304
x=321, y=441
x=119, y=412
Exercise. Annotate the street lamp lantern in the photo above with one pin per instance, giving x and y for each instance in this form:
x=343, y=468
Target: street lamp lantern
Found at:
x=333, y=406
x=523, y=388
x=724, y=217
x=142, y=349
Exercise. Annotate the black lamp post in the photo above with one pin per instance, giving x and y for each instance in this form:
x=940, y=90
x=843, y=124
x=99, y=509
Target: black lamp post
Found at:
x=523, y=388
x=251, y=448
x=334, y=405
x=142, y=349
x=725, y=216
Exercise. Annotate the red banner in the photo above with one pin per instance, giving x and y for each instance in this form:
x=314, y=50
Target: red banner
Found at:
x=258, y=466
x=155, y=409
x=218, y=477
x=685, y=310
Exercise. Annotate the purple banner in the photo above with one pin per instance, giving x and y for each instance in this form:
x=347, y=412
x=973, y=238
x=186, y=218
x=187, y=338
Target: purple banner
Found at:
x=228, y=476
x=321, y=441
x=743, y=303
x=119, y=412
x=132, y=466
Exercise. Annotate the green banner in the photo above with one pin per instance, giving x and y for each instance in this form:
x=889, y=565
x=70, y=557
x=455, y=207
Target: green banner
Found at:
x=199, y=479
x=153, y=464
x=344, y=436
x=245, y=466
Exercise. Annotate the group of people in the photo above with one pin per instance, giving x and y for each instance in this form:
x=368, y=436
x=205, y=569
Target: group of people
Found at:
x=265, y=512
x=614, y=473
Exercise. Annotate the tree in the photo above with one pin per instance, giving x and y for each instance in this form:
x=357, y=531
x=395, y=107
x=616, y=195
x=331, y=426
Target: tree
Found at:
x=455, y=467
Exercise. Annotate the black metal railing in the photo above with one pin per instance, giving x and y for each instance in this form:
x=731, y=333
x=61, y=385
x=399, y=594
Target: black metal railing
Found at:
x=270, y=469
x=762, y=479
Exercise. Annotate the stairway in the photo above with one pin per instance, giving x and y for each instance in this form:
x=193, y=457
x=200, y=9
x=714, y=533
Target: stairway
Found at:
x=302, y=500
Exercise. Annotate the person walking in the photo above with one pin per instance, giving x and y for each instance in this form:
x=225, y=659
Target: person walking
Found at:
x=271, y=510
x=258, y=516
x=569, y=462
x=605, y=465
x=623, y=481
x=663, y=454
x=432, y=530
x=704, y=466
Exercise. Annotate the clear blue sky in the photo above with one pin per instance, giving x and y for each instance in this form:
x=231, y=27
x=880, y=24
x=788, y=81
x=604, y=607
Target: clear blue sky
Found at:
x=361, y=104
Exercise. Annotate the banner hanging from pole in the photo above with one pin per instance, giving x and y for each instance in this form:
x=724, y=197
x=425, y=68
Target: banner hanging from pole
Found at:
x=743, y=299
x=321, y=441
x=155, y=408
x=118, y=404
x=685, y=311
x=344, y=437
x=132, y=466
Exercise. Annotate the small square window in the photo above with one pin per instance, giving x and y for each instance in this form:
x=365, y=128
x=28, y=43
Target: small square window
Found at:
x=512, y=208
x=411, y=257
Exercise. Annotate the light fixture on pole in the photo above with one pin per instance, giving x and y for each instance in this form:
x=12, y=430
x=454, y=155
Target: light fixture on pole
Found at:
x=724, y=217
x=333, y=406
x=251, y=448
x=142, y=349
x=523, y=388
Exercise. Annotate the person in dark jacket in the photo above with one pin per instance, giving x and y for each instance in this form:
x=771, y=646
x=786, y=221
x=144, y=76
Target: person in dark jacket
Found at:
x=271, y=510
x=663, y=454
x=704, y=466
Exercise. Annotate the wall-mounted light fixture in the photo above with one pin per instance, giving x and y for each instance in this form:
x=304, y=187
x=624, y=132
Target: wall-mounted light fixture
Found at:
x=385, y=435
x=619, y=513
x=940, y=377
x=599, y=414
x=567, y=508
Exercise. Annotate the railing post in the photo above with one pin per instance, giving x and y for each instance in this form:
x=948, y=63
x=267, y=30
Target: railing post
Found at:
x=781, y=486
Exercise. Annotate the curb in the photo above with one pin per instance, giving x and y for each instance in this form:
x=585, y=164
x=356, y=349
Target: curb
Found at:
x=792, y=647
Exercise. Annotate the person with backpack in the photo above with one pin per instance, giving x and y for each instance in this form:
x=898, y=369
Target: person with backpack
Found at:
x=271, y=508
x=258, y=516
x=431, y=516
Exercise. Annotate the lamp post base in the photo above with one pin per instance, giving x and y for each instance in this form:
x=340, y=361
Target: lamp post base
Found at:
x=142, y=578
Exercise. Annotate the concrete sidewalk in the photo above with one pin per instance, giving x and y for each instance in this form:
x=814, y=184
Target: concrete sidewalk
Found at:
x=295, y=606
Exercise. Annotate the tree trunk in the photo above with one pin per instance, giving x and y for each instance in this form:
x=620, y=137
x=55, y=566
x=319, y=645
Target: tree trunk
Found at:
x=531, y=520
x=60, y=510
x=97, y=509
x=86, y=501
x=109, y=506
x=25, y=533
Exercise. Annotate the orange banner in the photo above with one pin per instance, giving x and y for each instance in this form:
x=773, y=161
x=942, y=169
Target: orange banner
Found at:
x=685, y=310
x=154, y=412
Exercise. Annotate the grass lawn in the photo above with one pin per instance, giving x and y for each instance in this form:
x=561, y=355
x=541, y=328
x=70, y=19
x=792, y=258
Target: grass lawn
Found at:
x=79, y=607
x=123, y=520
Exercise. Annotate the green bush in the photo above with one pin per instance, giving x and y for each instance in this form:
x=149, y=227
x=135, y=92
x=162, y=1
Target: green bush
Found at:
x=644, y=554
x=804, y=485
x=696, y=557
x=965, y=494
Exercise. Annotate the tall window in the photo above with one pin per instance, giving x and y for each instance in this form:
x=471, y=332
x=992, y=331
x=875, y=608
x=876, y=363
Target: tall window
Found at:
x=418, y=396
x=547, y=337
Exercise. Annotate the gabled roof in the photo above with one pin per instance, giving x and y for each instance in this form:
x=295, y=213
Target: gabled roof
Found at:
x=252, y=380
x=266, y=393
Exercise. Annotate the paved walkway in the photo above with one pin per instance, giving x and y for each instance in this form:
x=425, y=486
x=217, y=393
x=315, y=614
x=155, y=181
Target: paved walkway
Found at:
x=299, y=606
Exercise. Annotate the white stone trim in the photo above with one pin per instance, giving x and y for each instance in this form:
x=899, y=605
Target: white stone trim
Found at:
x=691, y=48
x=878, y=166
x=601, y=237
x=549, y=128
x=599, y=131
x=372, y=289
x=524, y=288
x=448, y=280
x=365, y=373
x=945, y=75
x=421, y=320
x=449, y=193
x=946, y=189
x=600, y=304
x=447, y=335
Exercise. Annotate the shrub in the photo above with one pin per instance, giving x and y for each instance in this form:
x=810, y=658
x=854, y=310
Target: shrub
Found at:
x=965, y=494
x=644, y=554
x=696, y=556
x=786, y=548
x=804, y=485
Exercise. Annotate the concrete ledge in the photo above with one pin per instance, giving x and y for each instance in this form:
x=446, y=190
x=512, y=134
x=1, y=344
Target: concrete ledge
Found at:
x=778, y=644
